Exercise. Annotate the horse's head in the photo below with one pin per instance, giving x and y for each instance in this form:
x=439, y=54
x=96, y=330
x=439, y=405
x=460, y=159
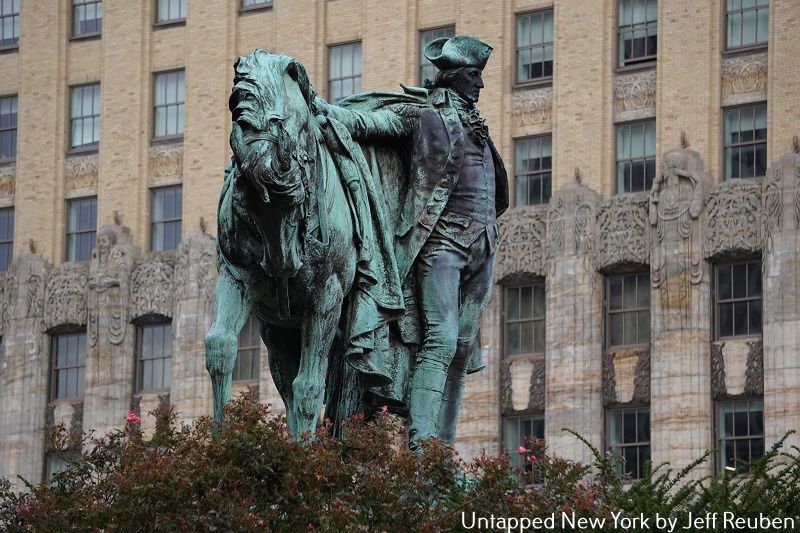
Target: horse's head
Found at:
x=272, y=106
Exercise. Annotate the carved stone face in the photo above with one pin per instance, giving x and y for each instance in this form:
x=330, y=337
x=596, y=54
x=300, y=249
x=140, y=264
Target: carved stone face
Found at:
x=469, y=83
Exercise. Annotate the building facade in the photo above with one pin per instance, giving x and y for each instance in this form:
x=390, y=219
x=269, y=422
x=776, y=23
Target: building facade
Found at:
x=647, y=288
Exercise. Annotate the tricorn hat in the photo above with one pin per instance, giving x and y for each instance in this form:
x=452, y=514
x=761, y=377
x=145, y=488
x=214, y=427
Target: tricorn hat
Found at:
x=459, y=51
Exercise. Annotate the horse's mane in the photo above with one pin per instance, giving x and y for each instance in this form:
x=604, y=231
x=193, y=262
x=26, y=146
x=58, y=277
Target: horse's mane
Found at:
x=253, y=66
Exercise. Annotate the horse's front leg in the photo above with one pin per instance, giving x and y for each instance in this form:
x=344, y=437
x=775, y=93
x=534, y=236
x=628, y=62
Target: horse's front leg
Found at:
x=318, y=331
x=231, y=309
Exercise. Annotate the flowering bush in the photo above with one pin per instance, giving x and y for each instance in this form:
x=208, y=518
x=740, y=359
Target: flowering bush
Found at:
x=247, y=474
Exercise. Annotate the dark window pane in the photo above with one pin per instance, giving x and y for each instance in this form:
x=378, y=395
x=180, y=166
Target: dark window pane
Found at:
x=740, y=421
x=631, y=328
x=512, y=303
x=724, y=282
x=726, y=320
x=539, y=336
x=616, y=329
x=740, y=318
x=755, y=317
x=629, y=426
x=740, y=281
x=615, y=289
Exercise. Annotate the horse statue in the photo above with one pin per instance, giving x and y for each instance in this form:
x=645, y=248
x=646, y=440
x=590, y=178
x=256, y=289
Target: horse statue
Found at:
x=303, y=245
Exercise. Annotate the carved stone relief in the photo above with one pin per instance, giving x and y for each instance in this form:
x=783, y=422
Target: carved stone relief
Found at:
x=718, y=387
x=166, y=162
x=65, y=296
x=7, y=181
x=109, y=273
x=81, y=172
x=754, y=374
x=555, y=226
x=733, y=219
x=195, y=267
x=584, y=225
x=536, y=389
x=152, y=286
x=635, y=95
x=609, y=380
x=8, y=296
x=771, y=205
x=531, y=107
x=744, y=75
x=641, y=378
x=34, y=294
x=521, y=248
x=505, y=387
x=622, y=227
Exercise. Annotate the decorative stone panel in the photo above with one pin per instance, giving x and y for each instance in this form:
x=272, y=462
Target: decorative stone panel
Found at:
x=533, y=106
x=623, y=231
x=737, y=367
x=166, y=162
x=522, y=383
x=521, y=248
x=80, y=173
x=626, y=376
x=754, y=372
x=8, y=175
x=65, y=296
x=196, y=267
x=733, y=220
x=109, y=281
x=717, y=370
x=8, y=297
x=152, y=285
x=744, y=79
x=635, y=96
x=537, y=386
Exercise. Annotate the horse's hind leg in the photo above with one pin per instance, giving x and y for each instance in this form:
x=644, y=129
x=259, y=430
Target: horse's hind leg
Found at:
x=231, y=309
x=283, y=347
x=319, y=329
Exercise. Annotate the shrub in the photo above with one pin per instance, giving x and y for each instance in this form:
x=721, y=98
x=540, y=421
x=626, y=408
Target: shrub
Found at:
x=248, y=474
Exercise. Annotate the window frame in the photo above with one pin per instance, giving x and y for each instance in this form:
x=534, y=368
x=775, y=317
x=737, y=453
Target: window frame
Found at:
x=637, y=408
x=420, y=49
x=14, y=15
x=532, y=282
x=533, y=174
x=329, y=80
x=719, y=440
x=252, y=322
x=89, y=35
x=747, y=48
x=635, y=64
x=153, y=222
x=9, y=243
x=734, y=300
x=167, y=22
x=518, y=418
x=68, y=233
x=170, y=138
x=14, y=98
x=255, y=7
x=54, y=369
x=543, y=80
x=607, y=312
x=89, y=147
x=138, y=383
x=739, y=145
x=645, y=157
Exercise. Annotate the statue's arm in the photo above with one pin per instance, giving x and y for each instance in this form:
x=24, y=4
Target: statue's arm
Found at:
x=393, y=122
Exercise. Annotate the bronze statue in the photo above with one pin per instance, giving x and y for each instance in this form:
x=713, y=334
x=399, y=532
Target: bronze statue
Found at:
x=424, y=194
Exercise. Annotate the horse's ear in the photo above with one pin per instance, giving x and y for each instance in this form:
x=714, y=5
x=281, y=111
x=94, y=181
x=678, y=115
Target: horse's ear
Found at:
x=298, y=73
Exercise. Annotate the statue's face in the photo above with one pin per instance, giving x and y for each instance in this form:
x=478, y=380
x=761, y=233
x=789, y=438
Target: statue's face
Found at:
x=469, y=83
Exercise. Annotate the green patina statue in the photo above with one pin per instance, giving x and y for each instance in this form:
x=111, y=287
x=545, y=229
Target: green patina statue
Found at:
x=362, y=235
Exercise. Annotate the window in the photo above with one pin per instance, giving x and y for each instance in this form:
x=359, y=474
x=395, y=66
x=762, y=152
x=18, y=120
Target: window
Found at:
x=87, y=17
x=525, y=319
x=54, y=464
x=533, y=162
x=68, y=366
x=171, y=10
x=636, y=156
x=344, y=71
x=9, y=23
x=426, y=69
x=741, y=433
x=248, y=355
x=637, y=20
x=747, y=23
x=255, y=4
x=8, y=127
x=738, y=299
x=168, y=101
x=85, y=116
x=516, y=429
x=746, y=142
x=154, y=356
x=6, y=237
x=628, y=301
x=167, y=209
x=534, y=46
x=628, y=433
x=81, y=228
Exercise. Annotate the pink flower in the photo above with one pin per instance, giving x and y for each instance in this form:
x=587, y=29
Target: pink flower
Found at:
x=534, y=458
x=522, y=450
x=133, y=418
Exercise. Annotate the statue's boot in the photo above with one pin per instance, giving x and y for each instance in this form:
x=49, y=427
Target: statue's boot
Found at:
x=424, y=399
x=453, y=393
